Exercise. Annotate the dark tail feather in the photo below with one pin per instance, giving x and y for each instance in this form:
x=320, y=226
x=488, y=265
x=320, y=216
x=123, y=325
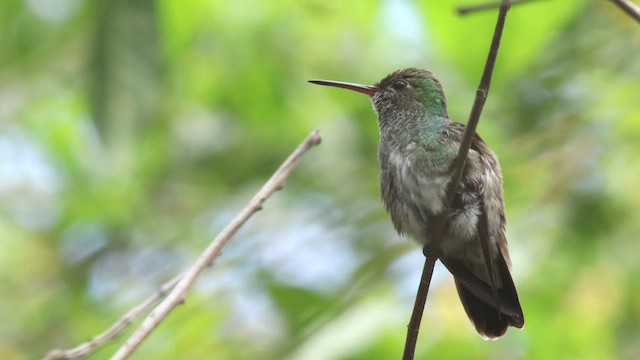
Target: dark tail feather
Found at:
x=480, y=304
x=488, y=322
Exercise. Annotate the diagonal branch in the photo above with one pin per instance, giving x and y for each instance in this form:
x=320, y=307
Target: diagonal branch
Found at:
x=476, y=109
x=418, y=308
x=84, y=349
x=179, y=292
x=628, y=7
x=180, y=285
x=432, y=252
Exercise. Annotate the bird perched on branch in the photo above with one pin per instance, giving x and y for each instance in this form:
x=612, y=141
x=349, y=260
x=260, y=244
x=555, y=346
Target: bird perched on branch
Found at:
x=418, y=146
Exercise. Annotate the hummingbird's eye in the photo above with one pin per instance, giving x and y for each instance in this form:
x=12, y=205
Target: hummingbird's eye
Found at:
x=399, y=84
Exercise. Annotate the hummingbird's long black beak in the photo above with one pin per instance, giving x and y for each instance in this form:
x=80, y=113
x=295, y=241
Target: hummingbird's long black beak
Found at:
x=365, y=89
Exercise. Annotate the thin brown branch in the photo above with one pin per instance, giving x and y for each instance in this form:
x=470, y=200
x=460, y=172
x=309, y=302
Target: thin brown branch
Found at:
x=418, y=308
x=468, y=9
x=474, y=116
x=628, y=7
x=84, y=349
x=179, y=292
x=432, y=252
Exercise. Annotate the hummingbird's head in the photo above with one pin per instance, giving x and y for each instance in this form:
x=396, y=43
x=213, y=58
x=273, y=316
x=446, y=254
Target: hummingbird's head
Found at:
x=412, y=89
x=407, y=90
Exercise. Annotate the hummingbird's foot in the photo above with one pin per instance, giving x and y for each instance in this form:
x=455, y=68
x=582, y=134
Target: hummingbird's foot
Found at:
x=429, y=251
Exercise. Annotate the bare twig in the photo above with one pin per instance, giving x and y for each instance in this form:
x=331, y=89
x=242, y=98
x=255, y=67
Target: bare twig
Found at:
x=179, y=292
x=418, y=308
x=478, y=105
x=84, y=349
x=468, y=9
x=630, y=8
x=432, y=252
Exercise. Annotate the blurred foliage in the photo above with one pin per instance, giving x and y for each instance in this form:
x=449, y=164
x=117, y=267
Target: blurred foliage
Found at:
x=132, y=131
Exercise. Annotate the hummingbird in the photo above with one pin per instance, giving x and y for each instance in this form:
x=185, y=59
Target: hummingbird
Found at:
x=418, y=146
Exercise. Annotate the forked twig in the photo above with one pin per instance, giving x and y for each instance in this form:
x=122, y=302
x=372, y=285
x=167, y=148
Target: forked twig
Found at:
x=180, y=285
x=179, y=292
x=84, y=349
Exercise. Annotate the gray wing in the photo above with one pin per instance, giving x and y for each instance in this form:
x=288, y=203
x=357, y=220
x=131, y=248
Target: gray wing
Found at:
x=488, y=295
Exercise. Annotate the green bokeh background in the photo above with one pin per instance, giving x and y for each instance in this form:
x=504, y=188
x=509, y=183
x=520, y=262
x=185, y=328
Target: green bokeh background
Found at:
x=132, y=131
